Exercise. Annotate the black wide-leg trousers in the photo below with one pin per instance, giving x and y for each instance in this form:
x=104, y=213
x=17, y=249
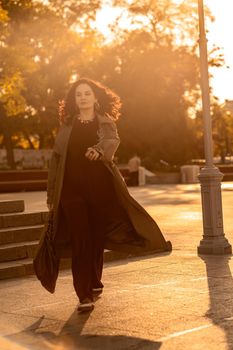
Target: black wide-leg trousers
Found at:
x=85, y=225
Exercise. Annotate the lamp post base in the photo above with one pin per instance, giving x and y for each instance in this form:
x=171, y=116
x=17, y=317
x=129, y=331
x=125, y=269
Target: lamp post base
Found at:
x=222, y=247
x=214, y=241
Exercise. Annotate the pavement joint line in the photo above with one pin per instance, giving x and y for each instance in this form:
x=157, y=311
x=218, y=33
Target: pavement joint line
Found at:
x=191, y=290
x=178, y=334
x=172, y=335
x=151, y=268
x=139, y=286
x=199, y=279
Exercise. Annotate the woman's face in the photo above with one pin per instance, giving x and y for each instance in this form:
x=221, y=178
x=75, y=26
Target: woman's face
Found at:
x=84, y=97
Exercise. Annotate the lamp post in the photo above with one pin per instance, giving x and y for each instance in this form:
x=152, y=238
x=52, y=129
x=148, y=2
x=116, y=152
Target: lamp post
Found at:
x=214, y=240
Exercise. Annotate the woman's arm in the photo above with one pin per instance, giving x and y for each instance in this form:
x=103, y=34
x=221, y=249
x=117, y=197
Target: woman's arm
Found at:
x=108, y=140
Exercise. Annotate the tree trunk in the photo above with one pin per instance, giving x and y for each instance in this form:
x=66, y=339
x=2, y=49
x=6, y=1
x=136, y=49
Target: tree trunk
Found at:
x=41, y=141
x=223, y=155
x=27, y=136
x=7, y=141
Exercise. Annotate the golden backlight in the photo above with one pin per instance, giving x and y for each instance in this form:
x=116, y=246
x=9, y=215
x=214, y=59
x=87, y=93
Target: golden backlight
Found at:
x=219, y=34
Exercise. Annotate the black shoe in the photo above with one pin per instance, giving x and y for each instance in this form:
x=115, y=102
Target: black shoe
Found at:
x=86, y=305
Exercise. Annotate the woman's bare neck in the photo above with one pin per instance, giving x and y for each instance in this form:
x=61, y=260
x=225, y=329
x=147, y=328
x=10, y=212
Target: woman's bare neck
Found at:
x=87, y=114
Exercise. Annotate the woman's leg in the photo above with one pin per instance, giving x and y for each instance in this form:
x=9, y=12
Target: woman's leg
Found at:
x=78, y=225
x=97, y=224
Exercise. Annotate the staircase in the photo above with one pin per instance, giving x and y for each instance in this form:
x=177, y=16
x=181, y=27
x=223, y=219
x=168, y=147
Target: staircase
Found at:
x=19, y=235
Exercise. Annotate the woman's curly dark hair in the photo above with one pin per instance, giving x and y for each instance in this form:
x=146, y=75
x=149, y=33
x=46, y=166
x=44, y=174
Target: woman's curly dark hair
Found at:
x=109, y=102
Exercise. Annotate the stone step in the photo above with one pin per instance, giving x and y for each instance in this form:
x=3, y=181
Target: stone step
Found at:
x=15, y=251
x=22, y=219
x=11, y=206
x=24, y=267
x=20, y=234
x=14, y=269
x=24, y=185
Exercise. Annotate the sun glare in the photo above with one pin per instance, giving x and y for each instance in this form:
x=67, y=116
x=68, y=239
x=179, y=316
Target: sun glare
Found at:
x=105, y=17
x=219, y=34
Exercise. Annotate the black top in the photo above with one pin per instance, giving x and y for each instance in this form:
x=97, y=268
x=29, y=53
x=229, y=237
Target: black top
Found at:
x=84, y=177
x=94, y=183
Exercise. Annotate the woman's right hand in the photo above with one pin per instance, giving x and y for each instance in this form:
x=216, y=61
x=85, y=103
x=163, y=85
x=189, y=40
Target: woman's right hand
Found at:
x=92, y=154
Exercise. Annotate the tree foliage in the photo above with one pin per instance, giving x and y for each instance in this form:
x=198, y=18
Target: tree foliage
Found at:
x=39, y=53
x=151, y=63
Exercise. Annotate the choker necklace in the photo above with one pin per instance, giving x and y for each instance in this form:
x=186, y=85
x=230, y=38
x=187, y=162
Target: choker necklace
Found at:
x=85, y=121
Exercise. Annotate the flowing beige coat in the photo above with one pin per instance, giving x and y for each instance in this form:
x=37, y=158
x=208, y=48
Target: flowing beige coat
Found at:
x=146, y=235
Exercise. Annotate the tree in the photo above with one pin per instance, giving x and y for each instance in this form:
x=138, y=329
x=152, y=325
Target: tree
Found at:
x=32, y=82
x=152, y=63
x=153, y=73
x=222, y=131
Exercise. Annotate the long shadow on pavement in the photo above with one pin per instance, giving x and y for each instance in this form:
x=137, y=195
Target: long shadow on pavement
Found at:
x=220, y=284
x=69, y=337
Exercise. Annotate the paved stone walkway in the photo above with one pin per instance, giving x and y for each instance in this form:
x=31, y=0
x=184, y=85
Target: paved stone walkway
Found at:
x=171, y=301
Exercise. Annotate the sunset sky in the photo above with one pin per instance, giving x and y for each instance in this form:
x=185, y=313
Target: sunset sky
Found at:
x=220, y=34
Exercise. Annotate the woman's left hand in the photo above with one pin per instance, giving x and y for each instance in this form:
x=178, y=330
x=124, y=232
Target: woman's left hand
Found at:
x=92, y=154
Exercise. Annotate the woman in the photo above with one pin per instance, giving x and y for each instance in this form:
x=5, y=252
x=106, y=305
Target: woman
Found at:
x=89, y=204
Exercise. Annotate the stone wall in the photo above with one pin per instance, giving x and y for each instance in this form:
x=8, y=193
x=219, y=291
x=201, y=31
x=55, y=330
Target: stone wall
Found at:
x=27, y=158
